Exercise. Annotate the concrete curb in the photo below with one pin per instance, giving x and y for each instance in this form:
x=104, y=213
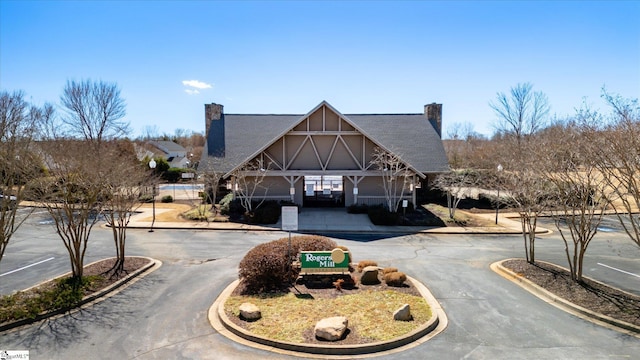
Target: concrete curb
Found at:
x=560, y=303
x=223, y=325
x=444, y=231
x=92, y=299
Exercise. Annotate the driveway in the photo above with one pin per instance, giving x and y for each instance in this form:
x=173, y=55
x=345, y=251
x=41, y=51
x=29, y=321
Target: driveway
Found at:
x=164, y=315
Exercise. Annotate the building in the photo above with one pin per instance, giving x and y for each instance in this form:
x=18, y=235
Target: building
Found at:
x=174, y=153
x=323, y=158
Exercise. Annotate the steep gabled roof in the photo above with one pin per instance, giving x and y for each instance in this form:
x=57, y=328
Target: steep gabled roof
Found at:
x=409, y=135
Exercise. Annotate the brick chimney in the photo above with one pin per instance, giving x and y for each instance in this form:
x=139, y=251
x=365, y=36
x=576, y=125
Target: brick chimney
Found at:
x=433, y=112
x=214, y=129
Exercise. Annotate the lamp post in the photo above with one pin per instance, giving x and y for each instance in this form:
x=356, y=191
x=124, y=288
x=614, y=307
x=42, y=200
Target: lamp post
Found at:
x=499, y=168
x=152, y=166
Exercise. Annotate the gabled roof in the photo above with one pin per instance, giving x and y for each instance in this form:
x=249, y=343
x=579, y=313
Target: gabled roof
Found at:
x=409, y=135
x=168, y=146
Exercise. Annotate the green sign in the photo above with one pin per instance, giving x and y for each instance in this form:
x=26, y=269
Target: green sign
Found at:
x=324, y=261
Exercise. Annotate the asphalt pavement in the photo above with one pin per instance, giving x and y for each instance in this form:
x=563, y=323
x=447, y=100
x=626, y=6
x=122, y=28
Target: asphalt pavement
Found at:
x=164, y=314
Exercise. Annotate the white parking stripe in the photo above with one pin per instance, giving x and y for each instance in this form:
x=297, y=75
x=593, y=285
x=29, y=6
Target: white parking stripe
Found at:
x=622, y=271
x=26, y=267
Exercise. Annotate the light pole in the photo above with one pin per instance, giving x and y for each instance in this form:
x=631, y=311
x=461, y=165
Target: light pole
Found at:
x=499, y=168
x=152, y=166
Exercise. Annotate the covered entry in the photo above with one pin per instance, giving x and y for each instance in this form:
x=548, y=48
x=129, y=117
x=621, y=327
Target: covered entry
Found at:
x=324, y=158
x=323, y=191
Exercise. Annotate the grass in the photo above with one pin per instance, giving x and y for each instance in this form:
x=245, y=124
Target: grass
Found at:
x=61, y=294
x=286, y=317
x=460, y=218
x=203, y=213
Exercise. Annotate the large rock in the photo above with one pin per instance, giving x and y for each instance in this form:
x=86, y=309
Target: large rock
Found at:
x=332, y=328
x=403, y=313
x=250, y=312
x=369, y=276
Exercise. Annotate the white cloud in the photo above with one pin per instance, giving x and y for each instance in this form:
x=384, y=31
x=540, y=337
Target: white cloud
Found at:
x=196, y=84
x=191, y=91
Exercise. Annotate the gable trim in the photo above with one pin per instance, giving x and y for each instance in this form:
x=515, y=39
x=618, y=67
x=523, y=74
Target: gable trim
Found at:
x=342, y=118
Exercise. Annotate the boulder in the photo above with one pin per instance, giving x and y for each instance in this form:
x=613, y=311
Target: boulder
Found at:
x=403, y=313
x=369, y=276
x=250, y=312
x=331, y=329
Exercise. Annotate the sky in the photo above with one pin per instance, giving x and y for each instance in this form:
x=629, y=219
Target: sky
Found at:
x=169, y=58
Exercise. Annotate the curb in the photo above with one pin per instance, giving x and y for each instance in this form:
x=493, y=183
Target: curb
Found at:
x=88, y=300
x=562, y=304
x=223, y=325
x=469, y=231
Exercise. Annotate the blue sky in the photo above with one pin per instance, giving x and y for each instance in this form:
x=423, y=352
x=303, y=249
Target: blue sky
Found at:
x=169, y=58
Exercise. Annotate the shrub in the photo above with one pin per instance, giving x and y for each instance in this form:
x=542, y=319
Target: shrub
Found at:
x=173, y=174
x=146, y=198
x=225, y=204
x=167, y=199
x=364, y=263
x=358, y=209
x=66, y=294
x=267, y=213
x=267, y=267
x=379, y=215
x=395, y=278
x=389, y=270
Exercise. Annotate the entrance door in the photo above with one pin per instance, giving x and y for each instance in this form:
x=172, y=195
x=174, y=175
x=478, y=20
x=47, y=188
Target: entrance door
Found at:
x=323, y=191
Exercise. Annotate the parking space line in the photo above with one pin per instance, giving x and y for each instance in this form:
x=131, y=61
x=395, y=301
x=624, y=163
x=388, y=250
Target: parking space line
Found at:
x=622, y=271
x=26, y=267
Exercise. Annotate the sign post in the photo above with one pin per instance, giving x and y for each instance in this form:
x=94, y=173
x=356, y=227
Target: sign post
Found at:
x=289, y=223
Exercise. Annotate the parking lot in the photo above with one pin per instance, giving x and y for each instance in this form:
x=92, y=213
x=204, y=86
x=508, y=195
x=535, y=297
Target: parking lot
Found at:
x=164, y=314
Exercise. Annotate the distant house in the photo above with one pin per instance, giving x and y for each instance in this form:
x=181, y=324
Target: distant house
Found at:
x=175, y=154
x=324, y=156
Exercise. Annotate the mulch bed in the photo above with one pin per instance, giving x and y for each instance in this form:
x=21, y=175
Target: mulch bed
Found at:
x=591, y=295
x=322, y=287
x=101, y=267
x=131, y=264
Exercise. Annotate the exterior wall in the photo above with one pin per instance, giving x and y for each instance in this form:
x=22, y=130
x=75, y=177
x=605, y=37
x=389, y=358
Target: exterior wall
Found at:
x=279, y=189
x=323, y=143
x=299, y=196
x=371, y=192
x=348, y=193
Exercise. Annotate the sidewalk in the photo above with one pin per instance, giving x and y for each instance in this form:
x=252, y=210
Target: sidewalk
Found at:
x=331, y=220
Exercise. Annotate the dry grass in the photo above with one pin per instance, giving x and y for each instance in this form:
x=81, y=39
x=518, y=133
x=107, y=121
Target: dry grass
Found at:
x=462, y=218
x=168, y=212
x=286, y=317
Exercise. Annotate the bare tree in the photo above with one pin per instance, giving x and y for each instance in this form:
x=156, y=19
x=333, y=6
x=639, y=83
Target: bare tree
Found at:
x=522, y=112
x=526, y=191
x=580, y=194
x=248, y=180
x=18, y=159
x=461, y=137
x=395, y=175
x=456, y=185
x=73, y=195
x=212, y=180
x=123, y=182
x=524, y=181
x=150, y=132
x=616, y=152
x=77, y=190
x=93, y=110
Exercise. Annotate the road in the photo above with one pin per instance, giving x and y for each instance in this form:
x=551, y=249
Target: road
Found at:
x=164, y=315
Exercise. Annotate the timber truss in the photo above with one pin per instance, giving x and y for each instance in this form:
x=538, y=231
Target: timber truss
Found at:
x=324, y=142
